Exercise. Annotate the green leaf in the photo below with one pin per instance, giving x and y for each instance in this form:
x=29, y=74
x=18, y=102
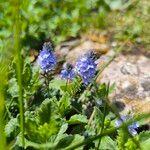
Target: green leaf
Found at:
x=32, y=129
x=46, y=130
x=112, y=88
x=61, y=132
x=27, y=74
x=56, y=84
x=78, y=119
x=64, y=104
x=144, y=138
x=13, y=87
x=103, y=90
x=63, y=129
x=108, y=143
x=72, y=87
x=46, y=112
x=40, y=133
x=11, y=126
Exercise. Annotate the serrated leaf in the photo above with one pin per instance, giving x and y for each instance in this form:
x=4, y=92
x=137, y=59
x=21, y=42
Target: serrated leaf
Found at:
x=56, y=84
x=27, y=74
x=40, y=133
x=46, y=130
x=61, y=132
x=108, y=143
x=64, y=104
x=13, y=87
x=63, y=129
x=11, y=126
x=144, y=138
x=46, y=111
x=31, y=129
x=78, y=119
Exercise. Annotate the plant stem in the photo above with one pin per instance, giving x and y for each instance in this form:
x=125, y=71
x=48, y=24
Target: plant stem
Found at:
x=102, y=128
x=93, y=138
x=18, y=58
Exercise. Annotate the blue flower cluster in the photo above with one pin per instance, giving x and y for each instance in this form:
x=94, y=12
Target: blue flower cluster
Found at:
x=86, y=68
x=46, y=58
x=131, y=128
x=68, y=72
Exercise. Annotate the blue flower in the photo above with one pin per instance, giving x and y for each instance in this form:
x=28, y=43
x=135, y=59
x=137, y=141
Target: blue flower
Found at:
x=68, y=72
x=131, y=128
x=46, y=58
x=86, y=68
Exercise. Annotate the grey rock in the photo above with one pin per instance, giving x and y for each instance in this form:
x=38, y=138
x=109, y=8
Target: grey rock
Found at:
x=130, y=69
x=145, y=83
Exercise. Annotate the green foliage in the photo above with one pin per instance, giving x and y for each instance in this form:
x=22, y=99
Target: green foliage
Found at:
x=64, y=104
x=57, y=19
x=11, y=126
x=13, y=87
x=108, y=143
x=44, y=124
x=122, y=138
x=69, y=141
x=144, y=138
x=27, y=74
x=46, y=111
x=130, y=145
x=77, y=119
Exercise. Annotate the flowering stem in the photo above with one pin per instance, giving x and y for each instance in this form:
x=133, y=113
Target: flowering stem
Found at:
x=66, y=86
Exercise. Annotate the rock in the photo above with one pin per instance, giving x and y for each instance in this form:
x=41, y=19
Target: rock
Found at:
x=63, y=49
x=128, y=86
x=145, y=83
x=132, y=82
x=129, y=68
x=83, y=48
x=72, y=53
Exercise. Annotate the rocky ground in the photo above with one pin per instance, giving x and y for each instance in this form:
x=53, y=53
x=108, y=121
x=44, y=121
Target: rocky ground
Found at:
x=129, y=72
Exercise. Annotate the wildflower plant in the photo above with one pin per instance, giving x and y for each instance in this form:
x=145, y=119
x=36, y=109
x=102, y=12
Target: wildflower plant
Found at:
x=86, y=68
x=47, y=59
x=65, y=116
x=131, y=128
x=68, y=72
